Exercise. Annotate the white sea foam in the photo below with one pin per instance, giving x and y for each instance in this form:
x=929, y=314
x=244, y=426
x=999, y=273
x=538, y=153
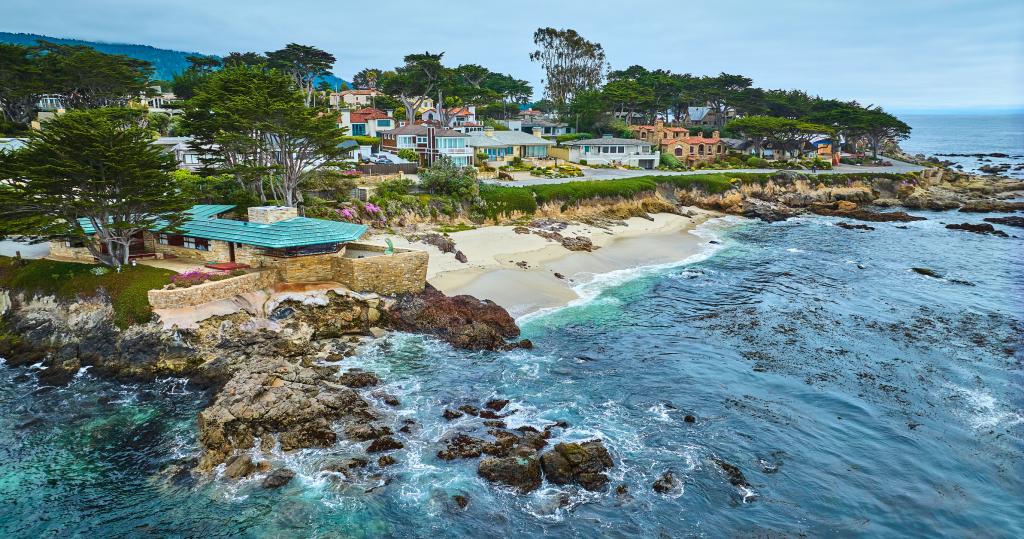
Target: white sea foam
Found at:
x=795, y=250
x=984, y=411
x=589, y=288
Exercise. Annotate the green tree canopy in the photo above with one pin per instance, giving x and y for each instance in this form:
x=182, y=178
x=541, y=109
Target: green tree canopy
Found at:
x=99, y=165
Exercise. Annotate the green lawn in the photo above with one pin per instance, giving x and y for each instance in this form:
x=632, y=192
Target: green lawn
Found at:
x=68, y=280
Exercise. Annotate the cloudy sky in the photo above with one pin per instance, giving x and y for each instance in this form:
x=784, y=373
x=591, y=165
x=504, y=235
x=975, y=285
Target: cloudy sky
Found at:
x=901, y=54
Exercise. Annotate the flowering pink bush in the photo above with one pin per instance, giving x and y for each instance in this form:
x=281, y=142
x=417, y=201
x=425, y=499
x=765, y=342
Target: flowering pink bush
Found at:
x=371, y=208
x=351, y=173
x=346, y=213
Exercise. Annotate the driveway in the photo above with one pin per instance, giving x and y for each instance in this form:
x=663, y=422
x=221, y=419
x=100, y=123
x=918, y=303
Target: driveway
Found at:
x=898, y=167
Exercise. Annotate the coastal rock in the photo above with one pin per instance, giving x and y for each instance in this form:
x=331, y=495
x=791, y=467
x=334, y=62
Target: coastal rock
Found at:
x=992, y=206
x=358, y=378
x=461, y=446
x=579, y=463
x=496, y=404
x=275, y=397
x=666, y=484
x=732, y=472
x=521, y=471
x=932, y=198
x=861, y=214
x=384, y=443
x=926, y=272
x=1008, y=221
x=982, y=228
x=463, y=321
x=849, y=226
x=278, y=478
x=765, y=211
x=240, y=466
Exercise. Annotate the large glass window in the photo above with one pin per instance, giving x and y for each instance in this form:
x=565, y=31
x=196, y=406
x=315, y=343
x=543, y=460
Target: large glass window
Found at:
x=536, y=151
x=198, y=244
x=358, y=129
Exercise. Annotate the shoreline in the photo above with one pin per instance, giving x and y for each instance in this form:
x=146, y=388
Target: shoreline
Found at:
x=527, y=274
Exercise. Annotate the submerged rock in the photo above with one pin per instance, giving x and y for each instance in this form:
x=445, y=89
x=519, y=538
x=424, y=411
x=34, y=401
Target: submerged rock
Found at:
x=927, y=272
x=849, y=226
x=861, y=214
x=734, y=474
x=278, y=478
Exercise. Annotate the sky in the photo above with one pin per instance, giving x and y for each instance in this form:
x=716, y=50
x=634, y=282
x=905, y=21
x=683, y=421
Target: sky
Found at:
x=904, y=55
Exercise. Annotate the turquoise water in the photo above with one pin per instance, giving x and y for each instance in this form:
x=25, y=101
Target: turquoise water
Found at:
x=857, y=397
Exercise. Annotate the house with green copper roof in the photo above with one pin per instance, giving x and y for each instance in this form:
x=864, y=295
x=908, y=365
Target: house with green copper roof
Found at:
x=270, y=232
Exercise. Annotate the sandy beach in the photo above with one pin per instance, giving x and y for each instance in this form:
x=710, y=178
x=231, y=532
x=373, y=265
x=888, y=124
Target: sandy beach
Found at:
x=553, y=275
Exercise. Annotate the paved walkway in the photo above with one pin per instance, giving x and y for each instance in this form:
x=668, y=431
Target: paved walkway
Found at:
x=898, y=167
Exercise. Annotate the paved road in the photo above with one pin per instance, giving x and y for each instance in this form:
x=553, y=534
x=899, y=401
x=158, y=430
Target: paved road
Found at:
x=898, y=167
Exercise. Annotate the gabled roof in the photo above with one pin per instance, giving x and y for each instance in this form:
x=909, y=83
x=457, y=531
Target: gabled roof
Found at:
x=294, y=232
x=366, y=114
x=483, y=139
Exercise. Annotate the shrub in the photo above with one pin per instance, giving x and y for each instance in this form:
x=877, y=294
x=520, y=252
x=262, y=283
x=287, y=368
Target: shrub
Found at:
x=394, y=188
x=408, y=155
x=499, y=200
x=669, y=160
x=444, y=178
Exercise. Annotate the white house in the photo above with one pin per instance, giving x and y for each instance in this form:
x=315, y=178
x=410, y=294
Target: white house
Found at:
x=352, y=98
x=366, y=121
x=614, y=151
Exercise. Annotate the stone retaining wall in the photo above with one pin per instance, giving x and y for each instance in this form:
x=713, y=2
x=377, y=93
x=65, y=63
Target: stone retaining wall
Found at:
x=176, y=298
x=404, y=271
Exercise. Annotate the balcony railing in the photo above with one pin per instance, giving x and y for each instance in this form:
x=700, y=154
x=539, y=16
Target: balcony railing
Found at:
x=456, y=151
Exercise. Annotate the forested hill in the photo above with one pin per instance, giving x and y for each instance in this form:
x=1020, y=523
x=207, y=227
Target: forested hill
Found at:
x=166, y=62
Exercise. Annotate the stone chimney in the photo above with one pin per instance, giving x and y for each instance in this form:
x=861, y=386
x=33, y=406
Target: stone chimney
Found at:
x=390, y=113
x=537, y=132
x=271, y=214
x=714, y=134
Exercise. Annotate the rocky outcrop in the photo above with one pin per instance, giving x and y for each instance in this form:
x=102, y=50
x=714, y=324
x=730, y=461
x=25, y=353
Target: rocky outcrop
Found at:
x=982, y=228
x=992, y=206
x=580, y=463
x=463, y=321
x=521, y=470
x=276, y=401
x=1007, y=221
x=849, y=210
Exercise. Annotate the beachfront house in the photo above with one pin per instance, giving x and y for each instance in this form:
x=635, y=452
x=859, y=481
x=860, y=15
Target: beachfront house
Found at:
x=696, y=148
x=502, y=147
x=529, y=120
x=366, y=121
x=271, y=232
x=610, y=150
x=429, y=142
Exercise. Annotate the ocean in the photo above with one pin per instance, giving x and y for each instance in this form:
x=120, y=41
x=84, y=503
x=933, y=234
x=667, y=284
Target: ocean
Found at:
x=857, y=397
x=978, y=133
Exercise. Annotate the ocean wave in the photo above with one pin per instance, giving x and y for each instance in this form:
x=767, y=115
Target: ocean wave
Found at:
x=590, y=290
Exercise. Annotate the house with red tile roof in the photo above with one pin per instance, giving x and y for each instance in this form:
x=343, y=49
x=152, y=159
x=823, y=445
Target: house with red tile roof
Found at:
x=353, y=98
x=677, y=142
x=366, y=121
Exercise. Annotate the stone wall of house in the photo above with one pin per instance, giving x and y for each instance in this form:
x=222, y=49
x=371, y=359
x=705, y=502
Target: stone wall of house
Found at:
x=177, y=298
x=404, y=271
x=219, y=251
x=60, y=249
x=306, y=269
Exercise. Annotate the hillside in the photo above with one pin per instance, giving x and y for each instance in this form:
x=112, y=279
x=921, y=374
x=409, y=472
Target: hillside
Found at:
x=166, y=62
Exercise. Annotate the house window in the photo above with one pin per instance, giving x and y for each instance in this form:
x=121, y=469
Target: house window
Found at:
x=536, y=151
x=421, y=140
x=679, y=151
x=720, y=148
x=383, y=123
x=586, y=149
x=163, y=239
x=199, y=244
x=358, y=129
x=74, y=243
x=692, y=150
x=700, y=149
x=190, y=159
